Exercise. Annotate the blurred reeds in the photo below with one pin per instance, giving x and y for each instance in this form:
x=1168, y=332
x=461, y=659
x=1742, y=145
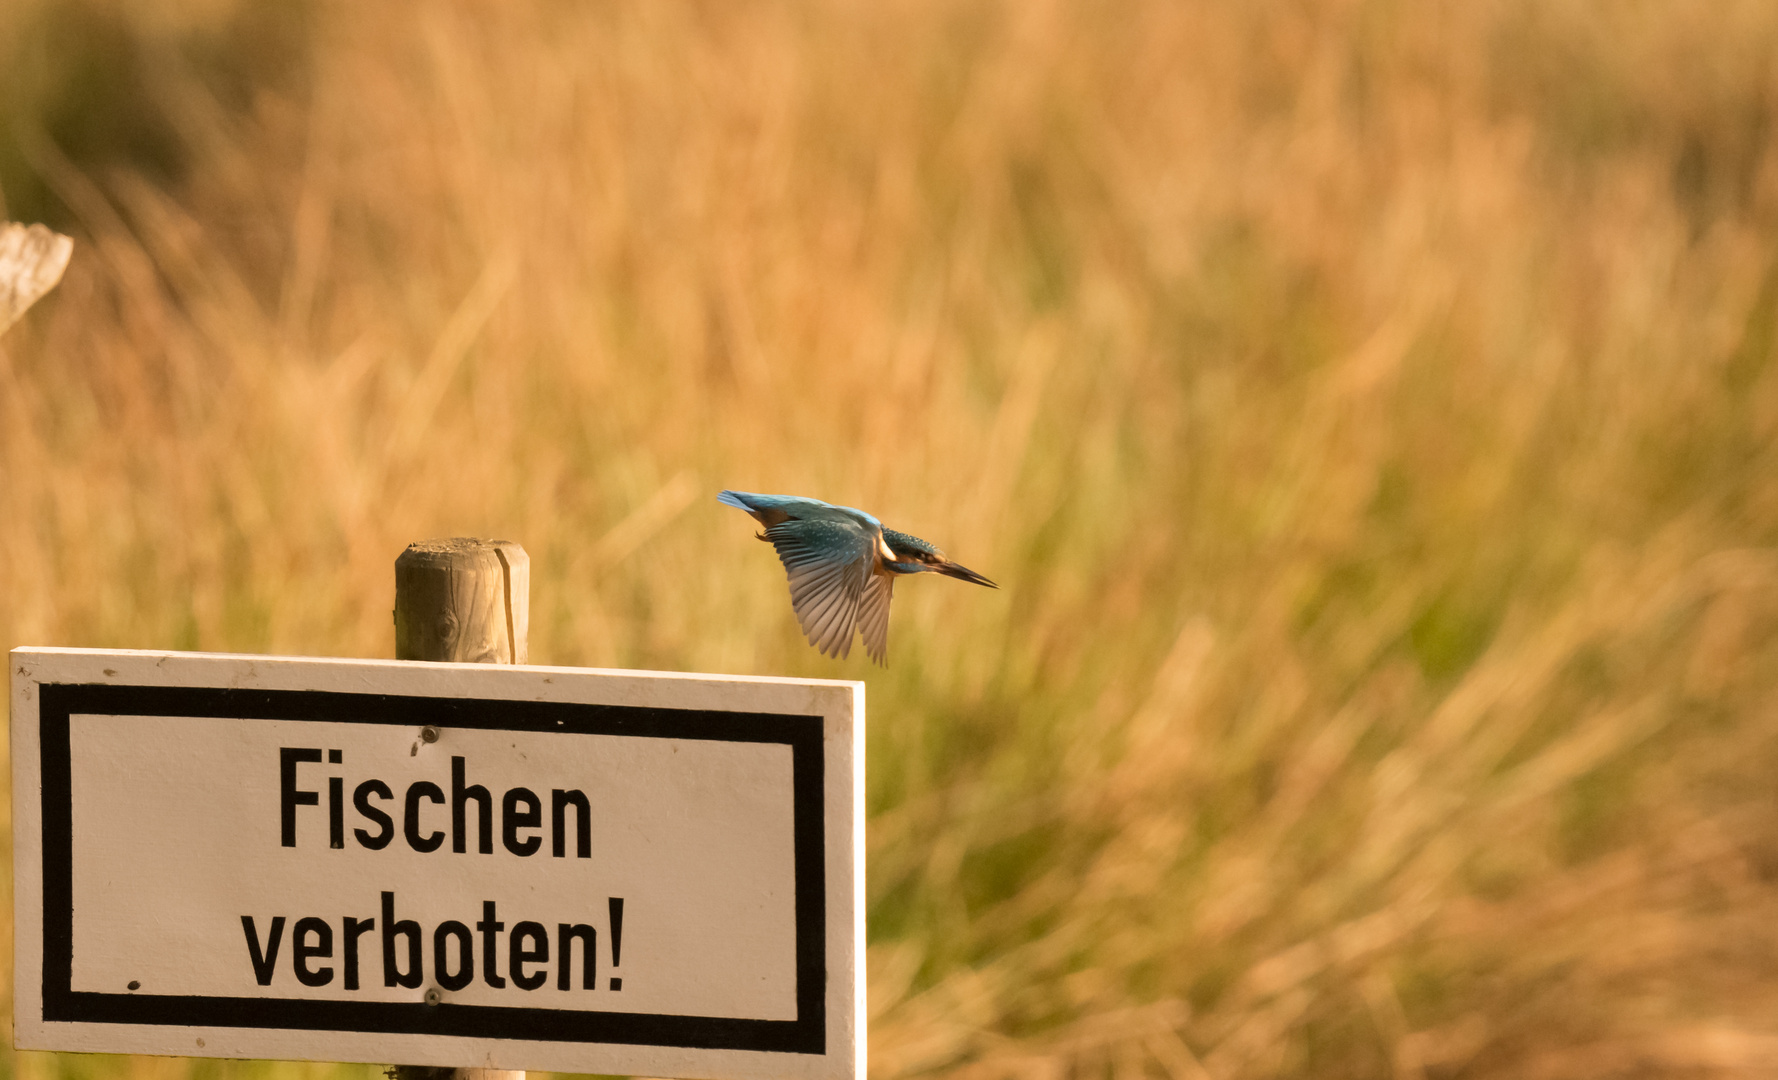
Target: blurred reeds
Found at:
x=1368, y=409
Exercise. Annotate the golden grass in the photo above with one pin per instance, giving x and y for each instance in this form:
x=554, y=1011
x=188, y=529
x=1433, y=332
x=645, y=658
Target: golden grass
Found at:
x=1367, y=408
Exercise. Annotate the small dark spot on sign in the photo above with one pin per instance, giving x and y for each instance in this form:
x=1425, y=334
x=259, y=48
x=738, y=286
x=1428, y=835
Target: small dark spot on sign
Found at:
x=616, y=984
x=134, y=985
x=429, y=734
x=200, y=1043
x=111, y=671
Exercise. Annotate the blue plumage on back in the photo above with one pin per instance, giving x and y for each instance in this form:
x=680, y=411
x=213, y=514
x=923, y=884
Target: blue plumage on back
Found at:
x=771, y=509
x=842, y=566
x=750, y=502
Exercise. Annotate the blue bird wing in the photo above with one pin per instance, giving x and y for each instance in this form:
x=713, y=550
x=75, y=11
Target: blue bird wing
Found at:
x=770, y=510
x=829, y=563
x=873, y=617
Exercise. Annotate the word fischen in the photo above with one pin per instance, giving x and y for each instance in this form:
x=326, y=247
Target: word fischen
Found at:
x=521, y=811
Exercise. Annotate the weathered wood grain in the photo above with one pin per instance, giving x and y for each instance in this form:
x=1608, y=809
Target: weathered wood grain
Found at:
x=465, y=600
x=462, y=600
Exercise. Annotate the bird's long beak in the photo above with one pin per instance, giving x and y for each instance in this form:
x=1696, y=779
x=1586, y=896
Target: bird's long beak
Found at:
x=964, y=573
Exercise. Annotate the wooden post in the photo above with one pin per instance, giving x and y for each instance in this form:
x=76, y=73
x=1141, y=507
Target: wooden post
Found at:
x=466, y=600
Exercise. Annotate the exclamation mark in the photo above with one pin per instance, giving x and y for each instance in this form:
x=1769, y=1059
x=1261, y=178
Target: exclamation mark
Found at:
x=617, y=937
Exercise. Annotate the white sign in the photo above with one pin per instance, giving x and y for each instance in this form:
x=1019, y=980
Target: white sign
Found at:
x=461, y=865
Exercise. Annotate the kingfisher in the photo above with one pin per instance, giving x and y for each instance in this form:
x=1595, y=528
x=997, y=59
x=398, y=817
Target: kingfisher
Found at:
x=842, y=564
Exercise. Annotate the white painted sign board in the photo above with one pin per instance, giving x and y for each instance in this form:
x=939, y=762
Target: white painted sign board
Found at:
x=463, y=865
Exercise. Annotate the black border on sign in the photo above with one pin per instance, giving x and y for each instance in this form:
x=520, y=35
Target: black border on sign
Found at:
x=807, y=1034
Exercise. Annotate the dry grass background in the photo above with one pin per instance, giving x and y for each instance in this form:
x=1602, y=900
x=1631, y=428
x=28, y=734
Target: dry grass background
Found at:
x=1367, y=407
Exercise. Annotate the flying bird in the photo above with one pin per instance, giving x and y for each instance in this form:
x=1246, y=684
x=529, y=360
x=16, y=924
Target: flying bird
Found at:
x=842, y=564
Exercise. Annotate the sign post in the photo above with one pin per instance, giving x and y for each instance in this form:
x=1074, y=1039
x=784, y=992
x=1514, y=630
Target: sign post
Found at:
x=469, y=601
x=453, y=865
